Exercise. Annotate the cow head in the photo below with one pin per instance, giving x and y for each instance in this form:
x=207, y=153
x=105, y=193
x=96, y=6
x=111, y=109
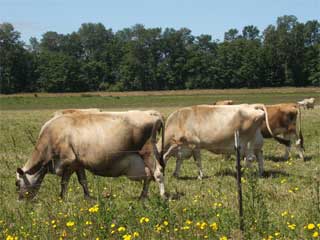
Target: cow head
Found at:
x=28, y=184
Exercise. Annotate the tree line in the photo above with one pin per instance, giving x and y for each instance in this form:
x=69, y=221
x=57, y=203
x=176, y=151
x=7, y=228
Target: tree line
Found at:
x=95, y=58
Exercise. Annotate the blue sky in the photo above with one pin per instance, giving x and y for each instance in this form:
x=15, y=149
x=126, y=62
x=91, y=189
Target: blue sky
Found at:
x=32, y=18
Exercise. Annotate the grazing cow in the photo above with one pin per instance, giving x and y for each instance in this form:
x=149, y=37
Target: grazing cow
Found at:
x=107, y=144
x=212, y=127
x=224, y=102
x=307, y=103
x=282, y=120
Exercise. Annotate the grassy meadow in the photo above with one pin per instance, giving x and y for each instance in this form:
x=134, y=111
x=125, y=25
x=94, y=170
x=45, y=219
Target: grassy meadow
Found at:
x=283, y=204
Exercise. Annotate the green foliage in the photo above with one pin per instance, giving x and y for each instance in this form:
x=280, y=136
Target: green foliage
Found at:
x=138, y=58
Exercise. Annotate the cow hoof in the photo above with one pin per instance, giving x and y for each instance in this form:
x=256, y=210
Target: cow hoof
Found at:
x=143, y=197
x=89, y=198
x=175, y=175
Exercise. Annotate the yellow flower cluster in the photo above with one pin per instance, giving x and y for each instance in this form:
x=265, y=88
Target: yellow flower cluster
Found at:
x=9, y=237
x=291, y=226
x=201, y=225
x=94, y=209
x=70, y=224
x=144, y=220
x=214, y=226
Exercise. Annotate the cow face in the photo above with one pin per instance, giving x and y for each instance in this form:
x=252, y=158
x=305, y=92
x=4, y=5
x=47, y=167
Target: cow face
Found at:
x=26, y=187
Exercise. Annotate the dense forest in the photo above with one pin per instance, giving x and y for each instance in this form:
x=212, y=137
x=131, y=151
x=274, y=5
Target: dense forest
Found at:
x=95, y=58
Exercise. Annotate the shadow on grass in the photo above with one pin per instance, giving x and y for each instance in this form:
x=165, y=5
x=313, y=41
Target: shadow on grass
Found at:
x=282, y=159
x=266, y=173
x=274, y=174
x=191, y=177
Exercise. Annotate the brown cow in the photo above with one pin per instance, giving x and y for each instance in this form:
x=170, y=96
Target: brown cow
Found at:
x=107, y=144
x=212, y=128
x=283, y=121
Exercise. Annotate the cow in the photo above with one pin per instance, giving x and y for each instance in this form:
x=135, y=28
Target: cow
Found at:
x=106, y=144
x=282, y=119
x=224, y=102
x=209, y=127
x=307, y=103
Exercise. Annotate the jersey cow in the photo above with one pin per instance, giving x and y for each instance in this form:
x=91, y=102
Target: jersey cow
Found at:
x=212, y=128
x=282, y=120
x=107, y=144
x=307, y=103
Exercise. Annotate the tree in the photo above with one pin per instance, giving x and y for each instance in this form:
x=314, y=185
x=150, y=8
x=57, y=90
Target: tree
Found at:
x=15, y=62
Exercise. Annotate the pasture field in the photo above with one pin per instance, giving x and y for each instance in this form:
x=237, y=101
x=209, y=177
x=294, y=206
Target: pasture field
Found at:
x=283, y=204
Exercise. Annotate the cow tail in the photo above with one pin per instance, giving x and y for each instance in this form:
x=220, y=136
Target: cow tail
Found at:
x=158, y=125
x=280, y=140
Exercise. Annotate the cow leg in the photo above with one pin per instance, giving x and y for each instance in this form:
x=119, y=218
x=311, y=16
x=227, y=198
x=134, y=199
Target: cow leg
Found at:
x=300, y=150
x=145, y=189
x=287, y=153
x=179, y=160
x=64, y=182
x=197, y=158
x=259, y=155
x=159, y=178
x=170, y=151
x=82, y=179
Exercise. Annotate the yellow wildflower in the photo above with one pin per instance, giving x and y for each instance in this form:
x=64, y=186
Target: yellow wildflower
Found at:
x=311, y=226
x=70, y=224
x=223, y=238
x=214, y=226
x=285, y=213
x=144, y=220
x=121, y=229
x=9, y=237
x=136, y=234
x=166, y=223
x=88, y=222
x=126, y=237
x=185, y=228
x=291, y=226
x=276, y=234
x=188, y=222
x=112, y=225
x=318, y=225
x=315, y=234
x=94, y=209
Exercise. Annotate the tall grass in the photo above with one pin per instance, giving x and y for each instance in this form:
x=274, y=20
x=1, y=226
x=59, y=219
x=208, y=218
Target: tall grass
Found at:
x=284, y=204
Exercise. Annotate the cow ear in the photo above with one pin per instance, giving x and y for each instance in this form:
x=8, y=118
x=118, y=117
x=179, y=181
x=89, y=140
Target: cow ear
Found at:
x=20, y=171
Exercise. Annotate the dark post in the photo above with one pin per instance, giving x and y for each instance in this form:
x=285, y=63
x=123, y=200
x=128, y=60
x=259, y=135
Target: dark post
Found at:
x=237, y=148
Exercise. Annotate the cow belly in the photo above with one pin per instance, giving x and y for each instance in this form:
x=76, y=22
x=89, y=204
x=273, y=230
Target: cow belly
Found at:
x=130, y=165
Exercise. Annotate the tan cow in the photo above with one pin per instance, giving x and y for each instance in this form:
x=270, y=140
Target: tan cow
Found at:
x=282, y=120
x=212, y=128
x=307, y=103
x=107, y=144
x=224, y=102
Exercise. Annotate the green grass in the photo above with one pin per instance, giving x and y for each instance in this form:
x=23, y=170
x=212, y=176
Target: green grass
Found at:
x=287, y=195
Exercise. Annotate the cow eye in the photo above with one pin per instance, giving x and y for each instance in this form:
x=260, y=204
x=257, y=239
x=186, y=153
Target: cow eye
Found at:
x=18, y=184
